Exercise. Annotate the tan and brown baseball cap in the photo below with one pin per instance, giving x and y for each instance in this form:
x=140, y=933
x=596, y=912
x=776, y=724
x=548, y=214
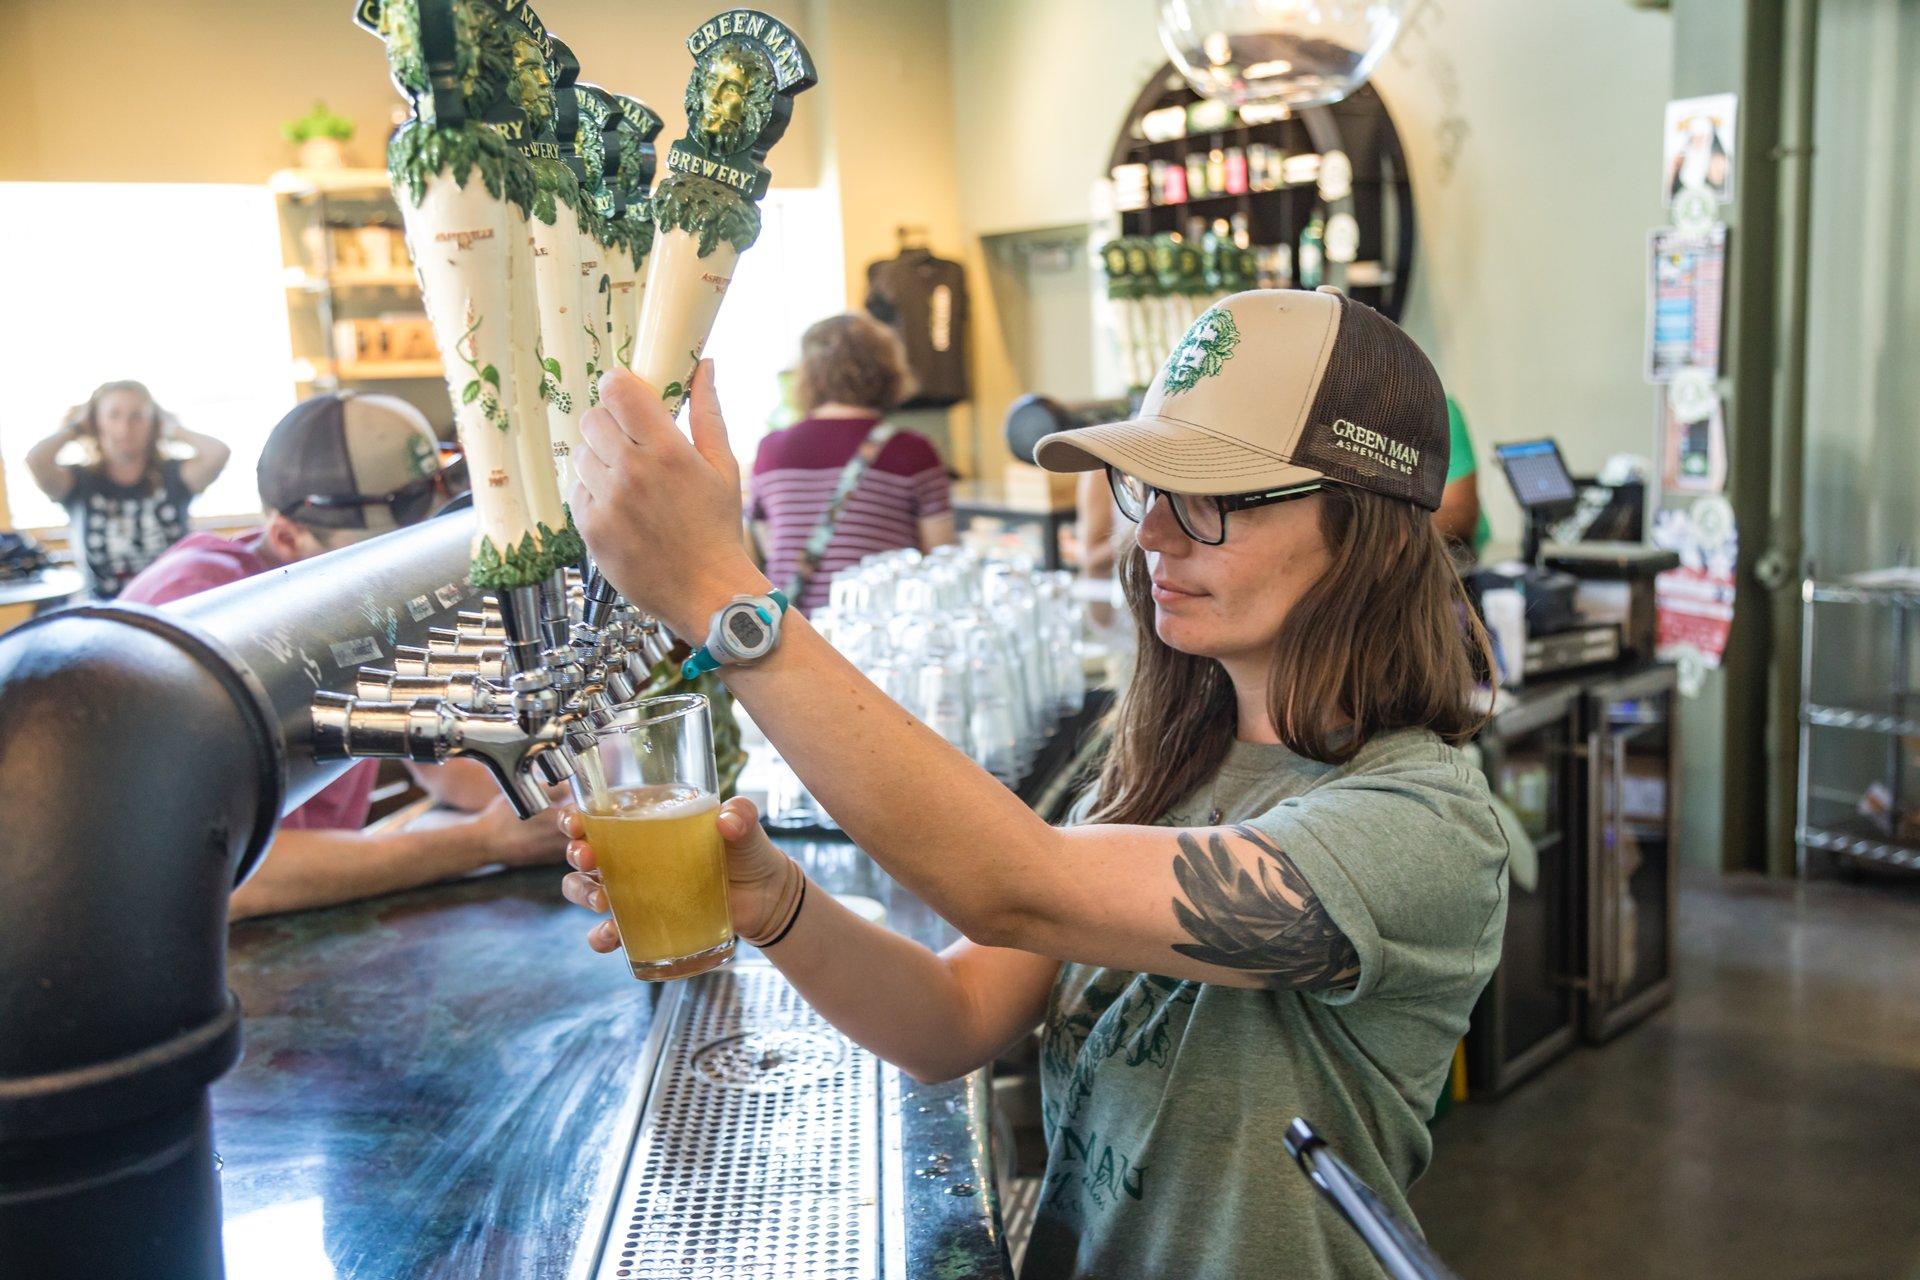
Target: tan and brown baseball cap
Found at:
x=350, y=461
x=1277, y=387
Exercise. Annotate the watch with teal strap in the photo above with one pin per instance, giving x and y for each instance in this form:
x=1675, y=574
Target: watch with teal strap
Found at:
x=746, y=629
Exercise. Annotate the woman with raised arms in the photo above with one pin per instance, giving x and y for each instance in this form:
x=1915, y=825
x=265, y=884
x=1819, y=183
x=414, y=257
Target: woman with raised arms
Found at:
x=1288, y=887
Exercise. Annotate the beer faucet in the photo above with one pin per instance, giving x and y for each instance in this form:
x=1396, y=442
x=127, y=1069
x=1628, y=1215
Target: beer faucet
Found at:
x=465, y=689
x=432, y=730
x=543, y=678
x=489, y=665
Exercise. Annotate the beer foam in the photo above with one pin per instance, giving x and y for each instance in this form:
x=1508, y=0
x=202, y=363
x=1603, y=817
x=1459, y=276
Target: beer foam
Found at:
x=667, y=800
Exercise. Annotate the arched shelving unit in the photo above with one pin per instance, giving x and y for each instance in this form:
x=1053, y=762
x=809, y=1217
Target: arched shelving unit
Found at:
x=1380, y=200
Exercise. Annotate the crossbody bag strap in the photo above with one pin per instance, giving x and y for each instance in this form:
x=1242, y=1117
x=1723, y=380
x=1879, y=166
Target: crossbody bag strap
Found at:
x=815, y=551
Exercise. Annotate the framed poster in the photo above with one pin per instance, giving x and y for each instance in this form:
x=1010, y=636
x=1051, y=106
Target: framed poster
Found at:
x=1697, y=150
x=1686, y=290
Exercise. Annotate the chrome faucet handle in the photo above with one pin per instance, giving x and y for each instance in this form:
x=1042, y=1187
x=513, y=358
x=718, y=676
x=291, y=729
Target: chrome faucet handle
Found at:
x=536, y=706
x=432, y=730
x=655, y=644
x=617, y=685
x=513, y=755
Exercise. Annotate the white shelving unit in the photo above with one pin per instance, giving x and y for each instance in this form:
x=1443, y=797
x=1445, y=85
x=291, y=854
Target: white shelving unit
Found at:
x=313, y=205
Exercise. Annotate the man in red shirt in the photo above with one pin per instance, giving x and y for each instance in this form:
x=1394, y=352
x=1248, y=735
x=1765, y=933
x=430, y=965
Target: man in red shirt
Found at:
x=338, y=469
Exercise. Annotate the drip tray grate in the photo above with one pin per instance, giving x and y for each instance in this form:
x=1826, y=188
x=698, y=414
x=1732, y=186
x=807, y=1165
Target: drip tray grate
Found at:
x=758, y=1152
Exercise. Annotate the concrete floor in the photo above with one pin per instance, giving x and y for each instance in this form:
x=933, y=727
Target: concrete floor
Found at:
x=1766, y=1125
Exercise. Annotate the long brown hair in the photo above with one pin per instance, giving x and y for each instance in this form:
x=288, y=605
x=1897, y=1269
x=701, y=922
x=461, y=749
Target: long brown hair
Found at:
x=1384, y=639
x=90, y=424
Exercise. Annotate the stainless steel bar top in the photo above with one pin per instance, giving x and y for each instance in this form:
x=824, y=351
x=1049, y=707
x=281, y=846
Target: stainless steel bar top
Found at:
x=447, y=1083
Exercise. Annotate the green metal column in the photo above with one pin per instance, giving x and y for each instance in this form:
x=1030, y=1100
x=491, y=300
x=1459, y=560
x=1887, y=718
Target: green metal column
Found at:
x=1739, y=734
x=1780, y=567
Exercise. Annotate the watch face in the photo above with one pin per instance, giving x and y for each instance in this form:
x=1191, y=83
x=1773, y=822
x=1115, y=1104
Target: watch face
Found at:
x=746, y=630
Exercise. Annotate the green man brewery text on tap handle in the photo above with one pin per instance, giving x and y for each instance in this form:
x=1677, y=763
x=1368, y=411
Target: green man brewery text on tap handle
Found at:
x=747, y=69
x=495, y=207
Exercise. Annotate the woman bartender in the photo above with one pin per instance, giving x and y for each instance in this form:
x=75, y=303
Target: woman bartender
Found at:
x=1290, y=886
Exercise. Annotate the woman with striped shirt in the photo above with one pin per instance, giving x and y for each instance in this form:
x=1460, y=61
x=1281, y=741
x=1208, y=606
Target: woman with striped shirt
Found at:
x=852, y=372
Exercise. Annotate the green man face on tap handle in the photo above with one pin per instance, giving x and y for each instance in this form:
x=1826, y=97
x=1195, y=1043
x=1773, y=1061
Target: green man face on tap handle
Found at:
x=730, y=99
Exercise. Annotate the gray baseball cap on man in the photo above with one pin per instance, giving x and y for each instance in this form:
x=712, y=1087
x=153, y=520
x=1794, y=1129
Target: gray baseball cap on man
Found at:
x=350, y=461
x=1277, y=387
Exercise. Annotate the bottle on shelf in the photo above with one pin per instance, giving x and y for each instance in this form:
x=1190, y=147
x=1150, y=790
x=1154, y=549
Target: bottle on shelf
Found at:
x=1236, y=171
x=1174, y=189
x=1275, y=266
x=1312, y=257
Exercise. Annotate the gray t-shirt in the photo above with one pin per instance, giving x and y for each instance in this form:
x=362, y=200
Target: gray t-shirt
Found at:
x=1165, y=1101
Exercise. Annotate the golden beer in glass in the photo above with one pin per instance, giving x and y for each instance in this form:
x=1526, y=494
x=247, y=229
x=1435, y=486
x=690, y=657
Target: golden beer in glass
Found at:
x=649, y=799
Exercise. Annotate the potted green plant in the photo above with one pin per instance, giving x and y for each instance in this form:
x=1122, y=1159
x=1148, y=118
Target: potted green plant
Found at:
x=321, y=136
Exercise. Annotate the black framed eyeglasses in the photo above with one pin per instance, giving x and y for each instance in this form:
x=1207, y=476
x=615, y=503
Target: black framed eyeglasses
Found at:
x=409, y=504
x=1202, y=517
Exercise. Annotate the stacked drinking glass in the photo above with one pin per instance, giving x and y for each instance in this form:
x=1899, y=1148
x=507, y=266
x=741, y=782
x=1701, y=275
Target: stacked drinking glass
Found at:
x=985, y=649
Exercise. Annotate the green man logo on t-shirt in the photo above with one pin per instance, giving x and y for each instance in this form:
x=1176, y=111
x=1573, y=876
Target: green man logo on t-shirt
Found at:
x=1202, y=353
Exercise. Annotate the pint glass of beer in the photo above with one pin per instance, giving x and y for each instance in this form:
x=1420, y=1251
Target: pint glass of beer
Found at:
x=649, y=799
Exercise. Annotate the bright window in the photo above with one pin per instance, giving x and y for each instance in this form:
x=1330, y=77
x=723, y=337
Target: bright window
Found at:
x=178, y=286
x=181, y=287
x=793, y=276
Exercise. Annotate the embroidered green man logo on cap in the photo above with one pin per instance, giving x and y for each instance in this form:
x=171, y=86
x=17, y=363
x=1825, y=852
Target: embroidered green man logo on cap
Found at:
x=1202, y=353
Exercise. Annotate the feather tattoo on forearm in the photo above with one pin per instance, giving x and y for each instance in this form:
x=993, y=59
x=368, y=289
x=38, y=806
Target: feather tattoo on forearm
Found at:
x=1262, y=918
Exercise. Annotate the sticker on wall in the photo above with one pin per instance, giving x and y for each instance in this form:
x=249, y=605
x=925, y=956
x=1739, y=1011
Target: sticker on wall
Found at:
x=1694, y=213
x=1694, y=603
x=1686, y=289
x=1697, y=153
x=1693, y=434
